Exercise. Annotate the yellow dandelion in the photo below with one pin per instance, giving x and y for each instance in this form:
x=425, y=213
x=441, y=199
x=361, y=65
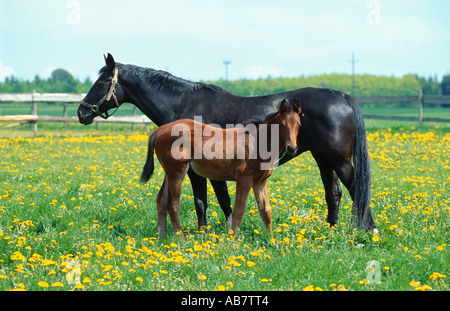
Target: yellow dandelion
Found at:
x=201, y=277
x=43, y=284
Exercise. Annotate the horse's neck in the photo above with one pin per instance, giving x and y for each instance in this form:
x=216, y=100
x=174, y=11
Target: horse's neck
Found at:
x=150, y=99
x=269, y=134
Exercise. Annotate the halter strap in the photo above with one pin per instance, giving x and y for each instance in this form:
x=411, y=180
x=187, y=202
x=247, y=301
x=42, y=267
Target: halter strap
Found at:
x=107, y=97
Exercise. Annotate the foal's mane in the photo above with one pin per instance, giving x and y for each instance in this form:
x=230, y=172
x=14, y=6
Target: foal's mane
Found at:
x=164, y=81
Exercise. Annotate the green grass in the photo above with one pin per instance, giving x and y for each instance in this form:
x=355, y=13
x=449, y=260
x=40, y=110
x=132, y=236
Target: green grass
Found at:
x=73, y=215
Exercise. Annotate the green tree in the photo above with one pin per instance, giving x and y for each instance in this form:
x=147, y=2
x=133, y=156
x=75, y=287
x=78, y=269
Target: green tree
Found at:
x=61, y=75
x=445, y=85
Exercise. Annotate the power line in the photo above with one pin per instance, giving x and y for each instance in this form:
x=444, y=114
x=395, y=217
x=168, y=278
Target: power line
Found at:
x=353, y=61
x=226, y=63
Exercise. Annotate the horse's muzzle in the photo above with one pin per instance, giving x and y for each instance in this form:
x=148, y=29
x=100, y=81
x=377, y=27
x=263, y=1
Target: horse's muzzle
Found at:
x=85, y=118
x=291, y=150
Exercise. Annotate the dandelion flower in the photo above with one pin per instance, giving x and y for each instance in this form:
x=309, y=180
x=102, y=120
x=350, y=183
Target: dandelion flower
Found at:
x=43, y=284
x=201, y=277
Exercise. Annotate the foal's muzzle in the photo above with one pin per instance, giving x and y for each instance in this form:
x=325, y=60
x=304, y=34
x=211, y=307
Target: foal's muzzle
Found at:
x=291, y=150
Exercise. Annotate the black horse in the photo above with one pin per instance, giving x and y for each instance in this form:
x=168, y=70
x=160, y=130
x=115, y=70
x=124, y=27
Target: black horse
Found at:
x=332, y=127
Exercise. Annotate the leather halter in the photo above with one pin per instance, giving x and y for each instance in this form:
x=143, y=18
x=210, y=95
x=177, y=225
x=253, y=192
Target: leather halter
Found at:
x=95, y=108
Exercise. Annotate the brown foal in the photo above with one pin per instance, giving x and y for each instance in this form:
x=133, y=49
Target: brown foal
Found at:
x=234, y=154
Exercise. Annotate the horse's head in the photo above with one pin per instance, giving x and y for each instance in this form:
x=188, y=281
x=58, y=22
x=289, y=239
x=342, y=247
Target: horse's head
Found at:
x=289, y=121
x=105, y=94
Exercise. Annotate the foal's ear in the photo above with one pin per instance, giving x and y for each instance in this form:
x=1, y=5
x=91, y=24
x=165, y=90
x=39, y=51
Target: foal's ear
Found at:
x=297, y=107
x=284, y=106
x=110, y=62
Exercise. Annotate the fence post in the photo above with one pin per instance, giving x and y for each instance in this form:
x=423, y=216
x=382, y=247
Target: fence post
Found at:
x=420, y=102
x=65, y=115
x=34, y=112
x=133, y=125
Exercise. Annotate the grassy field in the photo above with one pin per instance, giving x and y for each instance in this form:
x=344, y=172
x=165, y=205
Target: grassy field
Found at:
x=73, y=215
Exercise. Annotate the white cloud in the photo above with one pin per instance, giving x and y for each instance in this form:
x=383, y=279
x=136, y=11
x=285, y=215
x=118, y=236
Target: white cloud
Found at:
x=5, y=71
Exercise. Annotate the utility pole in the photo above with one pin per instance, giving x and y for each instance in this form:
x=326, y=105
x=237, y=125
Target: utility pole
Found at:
x=353, y=61
x=226, y=63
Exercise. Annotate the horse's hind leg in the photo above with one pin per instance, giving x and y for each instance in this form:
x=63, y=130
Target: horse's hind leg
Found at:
x=262, y=198
x=333, y=190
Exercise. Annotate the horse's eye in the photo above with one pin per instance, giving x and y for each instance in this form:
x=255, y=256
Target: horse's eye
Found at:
x=99, y=83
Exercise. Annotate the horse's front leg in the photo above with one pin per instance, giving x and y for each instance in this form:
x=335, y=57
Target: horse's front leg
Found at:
x=221, y=190
x=242, y=190
x=198, y=184
x=265, y=210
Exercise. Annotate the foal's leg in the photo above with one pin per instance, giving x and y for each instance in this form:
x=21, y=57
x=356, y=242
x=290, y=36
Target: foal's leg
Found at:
x=174, y=184
x=162, y=201
x=262, y=198
x=242, y=190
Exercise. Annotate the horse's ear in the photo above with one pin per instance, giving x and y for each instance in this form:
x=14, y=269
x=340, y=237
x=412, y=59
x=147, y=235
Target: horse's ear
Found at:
x=284, y=106
x=110, y=62
x=297, y=107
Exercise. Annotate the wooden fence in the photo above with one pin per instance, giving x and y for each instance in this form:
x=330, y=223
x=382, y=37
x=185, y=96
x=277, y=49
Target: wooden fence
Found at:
x=74, y=99
x=420, y=99
x=69, y=100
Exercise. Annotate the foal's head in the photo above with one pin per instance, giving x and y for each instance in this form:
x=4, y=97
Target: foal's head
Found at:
x=288, y=118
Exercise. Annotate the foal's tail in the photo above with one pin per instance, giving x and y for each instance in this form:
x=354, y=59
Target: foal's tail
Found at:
x=361, y=177
x=149, y=165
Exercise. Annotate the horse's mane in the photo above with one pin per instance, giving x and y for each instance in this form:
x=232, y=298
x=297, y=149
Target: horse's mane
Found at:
x=165, y=81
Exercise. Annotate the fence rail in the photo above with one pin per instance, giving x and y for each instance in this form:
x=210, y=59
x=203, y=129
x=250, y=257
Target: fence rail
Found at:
x=70, y=99
x=419, y=98
x=74, y=99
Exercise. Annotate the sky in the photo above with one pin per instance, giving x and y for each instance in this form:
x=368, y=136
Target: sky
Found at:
x=192, y=39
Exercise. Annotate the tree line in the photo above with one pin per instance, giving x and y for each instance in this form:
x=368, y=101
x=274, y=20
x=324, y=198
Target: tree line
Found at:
x=364, y=85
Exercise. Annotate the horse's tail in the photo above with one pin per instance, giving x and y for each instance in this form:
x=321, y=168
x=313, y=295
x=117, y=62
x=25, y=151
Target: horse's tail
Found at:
x=361, y=187
x=149, y=165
